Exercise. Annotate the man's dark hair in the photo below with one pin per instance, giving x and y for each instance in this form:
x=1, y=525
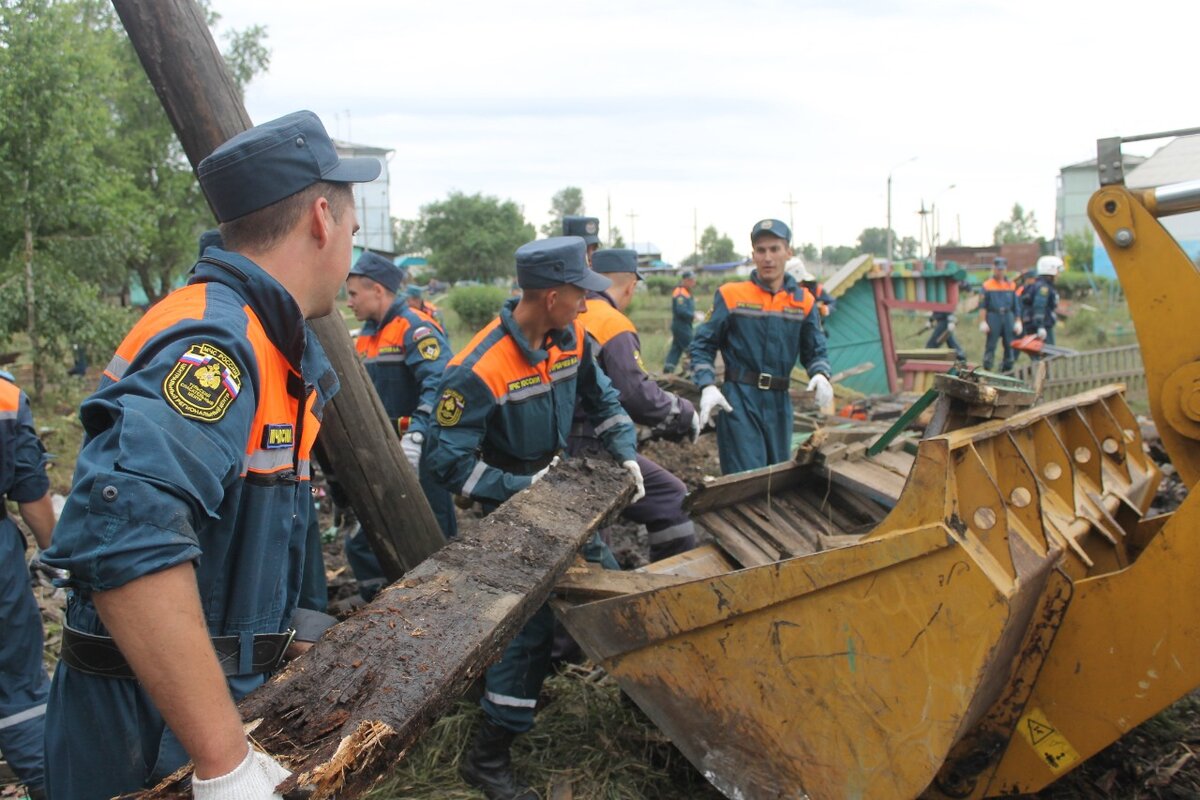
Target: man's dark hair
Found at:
x=263, y=229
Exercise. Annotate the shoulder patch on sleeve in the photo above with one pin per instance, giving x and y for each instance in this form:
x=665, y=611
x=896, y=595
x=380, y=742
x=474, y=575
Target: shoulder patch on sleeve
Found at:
x=429, y=348
x=1045, y=290
x=637, y=356
x=450, y=408
x=422, y=332
x=203, y=383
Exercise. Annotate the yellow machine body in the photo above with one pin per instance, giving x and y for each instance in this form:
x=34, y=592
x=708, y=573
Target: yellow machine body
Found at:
x=1016, y=612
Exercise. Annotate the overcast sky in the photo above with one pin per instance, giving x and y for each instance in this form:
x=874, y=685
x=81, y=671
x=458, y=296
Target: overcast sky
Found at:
x=720, y=110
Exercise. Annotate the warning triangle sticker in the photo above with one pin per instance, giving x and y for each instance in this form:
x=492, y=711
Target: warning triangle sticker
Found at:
x=1038, y=731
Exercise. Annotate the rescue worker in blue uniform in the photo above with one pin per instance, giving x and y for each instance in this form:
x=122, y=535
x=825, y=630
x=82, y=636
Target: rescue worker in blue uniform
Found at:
x=415, y=297
x=761, y=327
x=184, y=530
x=405, y=354
x=619, y=352
x=1042, y=298
x=942, y=335
x=504, y=414
x=24, y=685
x=683, y=315
x=586, y=228
x=998, y=315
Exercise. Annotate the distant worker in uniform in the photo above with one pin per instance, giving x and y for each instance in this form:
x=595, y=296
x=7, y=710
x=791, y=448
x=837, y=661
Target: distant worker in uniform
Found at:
x=1042, y=298
x=415, y=297
x=405, y=353
x=503, y=416
x=24, y=685
x=826, y=302
x=942, y=335
x=587, y=228
x=998, y=315
x=619, y=351
x=761, y=327
x=683, y=317
x=184, y=531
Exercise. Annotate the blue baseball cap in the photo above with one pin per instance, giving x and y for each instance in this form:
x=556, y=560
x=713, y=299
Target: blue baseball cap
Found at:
x=414, y=291
x=586, y=227
x=547, y=263
x=771, y=227
x=379, y=269
x=616, y=260
x=687, y=273
x=275, y=160
x=1000, y=262
x=210, y=238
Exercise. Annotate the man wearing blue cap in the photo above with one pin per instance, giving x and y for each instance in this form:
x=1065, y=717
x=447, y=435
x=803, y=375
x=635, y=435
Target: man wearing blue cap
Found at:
x=405, y=354
x=503, y=416
x=184, y=531
x=415, y=297
x=761, y=327
x=586, y=228
x=999, y=315
x=619, y=351
x=683, y=317
x=23, y=685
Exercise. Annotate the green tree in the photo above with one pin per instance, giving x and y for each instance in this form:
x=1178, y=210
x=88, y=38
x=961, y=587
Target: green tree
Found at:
x=618, y=241
x=715, y=248
x=566, y=202
x=909, y=247
x=874, y=241
x=838, y=254
x=1021, y=226
x=808, y=252
x=406, y=235
x=1079, y=249
x=473, y=237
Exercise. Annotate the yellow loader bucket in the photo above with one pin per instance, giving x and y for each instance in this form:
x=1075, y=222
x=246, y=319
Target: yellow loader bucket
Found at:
x=918, y=659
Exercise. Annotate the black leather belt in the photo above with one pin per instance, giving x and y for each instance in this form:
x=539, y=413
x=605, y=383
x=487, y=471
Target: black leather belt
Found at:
x=99, y=655
x=761, y=380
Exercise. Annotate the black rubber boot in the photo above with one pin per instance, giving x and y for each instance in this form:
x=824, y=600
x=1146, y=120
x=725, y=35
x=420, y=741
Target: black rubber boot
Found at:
x=488, y=767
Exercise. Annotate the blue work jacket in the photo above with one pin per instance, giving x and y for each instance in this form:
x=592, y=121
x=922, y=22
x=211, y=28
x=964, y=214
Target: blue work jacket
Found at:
x=405, y=355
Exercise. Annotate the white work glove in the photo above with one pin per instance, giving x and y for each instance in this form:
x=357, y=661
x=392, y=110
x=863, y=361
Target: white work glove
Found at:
x=1041, y=334
x=411, y=443
x=541, y=473
x=1018, y=328
x=636, y=472
x=951, y=322
x=824, y=391
x=983, y=326
x=696, y=426
x=712, y=402
x=254, y=779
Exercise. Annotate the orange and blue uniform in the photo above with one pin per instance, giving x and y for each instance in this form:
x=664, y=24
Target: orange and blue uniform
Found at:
x=999, y=305
x=760, y=335
x=683, y=312
x=196, y=450
x=24, y=686
x=618, y=350
x=504, y=411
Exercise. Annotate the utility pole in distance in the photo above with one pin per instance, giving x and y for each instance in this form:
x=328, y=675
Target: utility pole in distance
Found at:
x=632, y=236
x=791, y=204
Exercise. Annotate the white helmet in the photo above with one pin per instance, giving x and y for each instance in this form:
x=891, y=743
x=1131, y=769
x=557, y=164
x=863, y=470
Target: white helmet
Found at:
x=1049, y=265
x=795, y=267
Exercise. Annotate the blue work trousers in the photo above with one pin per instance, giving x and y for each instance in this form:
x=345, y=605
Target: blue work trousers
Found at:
x=757, y=432
x=513, y=683
x=24, y=685
x=1000, y=329
x=681, y=339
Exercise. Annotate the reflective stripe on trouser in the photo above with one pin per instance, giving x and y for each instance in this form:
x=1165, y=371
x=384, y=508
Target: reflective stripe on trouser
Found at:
x=670, y=530
x=680, y=340
x=23, y=685
x=135, y=751
x=1000, y=329
x=757, y=432
x=514, y=682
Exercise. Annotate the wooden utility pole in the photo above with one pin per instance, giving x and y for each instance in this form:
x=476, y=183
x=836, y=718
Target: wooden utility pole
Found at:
x=189, y=75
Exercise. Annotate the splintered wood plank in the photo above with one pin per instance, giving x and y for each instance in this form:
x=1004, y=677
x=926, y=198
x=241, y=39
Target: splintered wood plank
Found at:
x=741, y=547
x=745, y=485
x=596, y=583
x=751, y=532
x=865, y=510
x=898, y=462
x=766, y=515
x=867, y=479
x=705, y=561
x=817, y=523
x=341, y=715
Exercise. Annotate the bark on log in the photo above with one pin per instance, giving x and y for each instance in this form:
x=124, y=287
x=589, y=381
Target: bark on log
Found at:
x=341, y=714
x=192, y=82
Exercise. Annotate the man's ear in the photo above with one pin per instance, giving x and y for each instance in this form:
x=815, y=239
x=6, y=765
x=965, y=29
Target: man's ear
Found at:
x=320, y=217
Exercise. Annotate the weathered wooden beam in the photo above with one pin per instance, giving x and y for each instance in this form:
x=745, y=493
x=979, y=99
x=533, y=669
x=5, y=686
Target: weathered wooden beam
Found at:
x=201, y=100
x=343, y=713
